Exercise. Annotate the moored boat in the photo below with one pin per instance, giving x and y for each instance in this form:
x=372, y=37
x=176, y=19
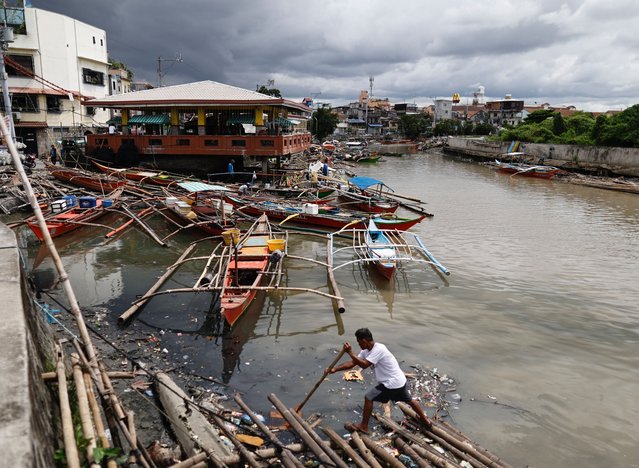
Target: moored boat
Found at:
x=362, y=196
x=80, y=178
x=528, y=170
x=309, y=214
x=69, y=214
x=202, y=210
x=247, y=265
x=143, y=176
x=380, y=249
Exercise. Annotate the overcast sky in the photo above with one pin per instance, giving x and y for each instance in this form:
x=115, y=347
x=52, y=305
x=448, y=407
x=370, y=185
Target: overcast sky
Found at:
x=581, y=52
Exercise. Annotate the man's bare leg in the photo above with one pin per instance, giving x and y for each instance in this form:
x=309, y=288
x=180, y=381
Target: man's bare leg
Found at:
x=366, y=416
x=420, y=412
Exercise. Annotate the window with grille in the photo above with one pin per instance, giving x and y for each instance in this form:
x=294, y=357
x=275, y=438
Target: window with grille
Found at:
x=25, y=61
x=53, y=104
x=92, y=77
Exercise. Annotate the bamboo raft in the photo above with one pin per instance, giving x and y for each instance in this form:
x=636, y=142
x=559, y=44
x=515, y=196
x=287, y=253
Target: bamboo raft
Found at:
x=439, y=445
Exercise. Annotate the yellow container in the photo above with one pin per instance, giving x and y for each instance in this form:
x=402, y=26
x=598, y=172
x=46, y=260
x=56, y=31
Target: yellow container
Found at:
x=231, y=234
x=275, y=244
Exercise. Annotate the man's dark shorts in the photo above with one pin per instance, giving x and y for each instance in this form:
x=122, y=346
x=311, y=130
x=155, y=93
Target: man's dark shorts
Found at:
x=383, y=394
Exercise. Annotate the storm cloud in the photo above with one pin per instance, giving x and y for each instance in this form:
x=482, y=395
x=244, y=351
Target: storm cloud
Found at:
x=575, y=52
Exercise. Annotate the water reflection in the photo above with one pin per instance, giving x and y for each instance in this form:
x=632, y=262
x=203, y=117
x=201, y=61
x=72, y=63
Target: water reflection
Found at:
x=540, y=311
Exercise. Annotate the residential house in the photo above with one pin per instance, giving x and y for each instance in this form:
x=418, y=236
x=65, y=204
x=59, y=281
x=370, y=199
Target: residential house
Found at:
x=54, y=63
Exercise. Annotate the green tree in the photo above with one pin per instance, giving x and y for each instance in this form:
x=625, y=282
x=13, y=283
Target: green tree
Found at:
x=558, y=125
x=323, y=123
x=117, y=65
x=411, y=126
x=483, y=129
x=538, y=116
x=269, y=91
x=598, y=128
x=445, y=127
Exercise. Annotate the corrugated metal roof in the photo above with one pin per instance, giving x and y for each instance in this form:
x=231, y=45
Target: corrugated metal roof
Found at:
x=201, y=93
x=190, y=92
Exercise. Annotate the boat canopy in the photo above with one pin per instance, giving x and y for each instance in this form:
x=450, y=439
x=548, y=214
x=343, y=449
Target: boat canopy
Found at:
x=201, y=187
x=365, y=182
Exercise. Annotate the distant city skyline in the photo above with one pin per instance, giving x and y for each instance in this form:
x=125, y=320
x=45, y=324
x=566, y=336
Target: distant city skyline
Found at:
x=577, y=52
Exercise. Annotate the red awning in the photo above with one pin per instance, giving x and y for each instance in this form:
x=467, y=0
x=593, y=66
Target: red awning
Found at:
x=23, y=124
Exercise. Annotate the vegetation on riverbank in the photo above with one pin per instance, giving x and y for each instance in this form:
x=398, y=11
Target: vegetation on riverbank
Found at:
x=581, y=128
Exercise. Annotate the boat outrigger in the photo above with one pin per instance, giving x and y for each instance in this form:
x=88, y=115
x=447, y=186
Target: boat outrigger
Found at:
x=386, y=250
x=234, y=271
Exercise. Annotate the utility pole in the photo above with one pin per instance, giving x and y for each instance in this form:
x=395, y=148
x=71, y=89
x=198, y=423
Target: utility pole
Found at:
x=6, y=36
x=177, y=59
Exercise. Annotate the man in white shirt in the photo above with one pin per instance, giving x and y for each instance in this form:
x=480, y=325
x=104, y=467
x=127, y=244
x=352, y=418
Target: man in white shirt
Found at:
x=391, y=379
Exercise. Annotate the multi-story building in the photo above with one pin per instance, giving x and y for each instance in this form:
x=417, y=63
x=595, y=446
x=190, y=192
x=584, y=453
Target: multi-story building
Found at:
x=507, y=111
x=53, y=64
x=443, y=110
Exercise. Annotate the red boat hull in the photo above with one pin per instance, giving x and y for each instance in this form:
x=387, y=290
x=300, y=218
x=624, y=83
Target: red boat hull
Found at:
x=81, y=179
x=326, y=221
x=546, y=174
x=66, y=221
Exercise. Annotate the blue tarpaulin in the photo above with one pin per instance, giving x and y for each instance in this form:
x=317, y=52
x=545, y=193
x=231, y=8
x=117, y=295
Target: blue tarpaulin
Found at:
x=364, y=182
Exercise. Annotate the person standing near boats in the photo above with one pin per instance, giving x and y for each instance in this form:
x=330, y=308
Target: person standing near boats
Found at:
x=53, y=155
x=231, y=169
x=391, y=379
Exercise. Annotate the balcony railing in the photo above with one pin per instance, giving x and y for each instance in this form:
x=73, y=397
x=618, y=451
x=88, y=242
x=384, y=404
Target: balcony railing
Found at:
x=222, y=145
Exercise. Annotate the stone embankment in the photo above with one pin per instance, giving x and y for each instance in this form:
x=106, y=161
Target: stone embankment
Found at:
x=26, y=430
x=596, y=160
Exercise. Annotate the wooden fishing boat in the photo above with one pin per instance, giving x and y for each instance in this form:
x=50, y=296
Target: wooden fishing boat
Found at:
x=527, y=170
x=381, y=250
x=62, y=219
x=368, y=159
x=365, y=194
x=143, y=176
x=245, y=270
x=89, y=180
x=309, y=214
x=203, y=210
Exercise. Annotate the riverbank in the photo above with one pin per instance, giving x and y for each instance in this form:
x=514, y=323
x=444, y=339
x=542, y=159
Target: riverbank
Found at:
x=591, y=160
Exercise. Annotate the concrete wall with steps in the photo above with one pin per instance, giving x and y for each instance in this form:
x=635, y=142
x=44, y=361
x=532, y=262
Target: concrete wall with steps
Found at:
x=591, y=159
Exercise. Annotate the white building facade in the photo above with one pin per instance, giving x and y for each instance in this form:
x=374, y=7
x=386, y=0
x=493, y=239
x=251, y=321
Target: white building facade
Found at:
x=68, y=62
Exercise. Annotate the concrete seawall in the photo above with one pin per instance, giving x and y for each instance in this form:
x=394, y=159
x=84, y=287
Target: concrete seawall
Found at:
x=589, y=159
x=26, y=419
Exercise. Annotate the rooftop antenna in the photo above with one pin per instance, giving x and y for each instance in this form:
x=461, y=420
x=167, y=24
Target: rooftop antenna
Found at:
x=177, y=59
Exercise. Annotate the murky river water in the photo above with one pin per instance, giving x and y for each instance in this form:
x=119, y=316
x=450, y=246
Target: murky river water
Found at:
x=540, y=312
